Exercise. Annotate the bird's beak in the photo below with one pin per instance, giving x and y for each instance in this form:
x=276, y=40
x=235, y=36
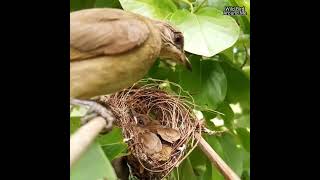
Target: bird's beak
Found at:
x=186, y=62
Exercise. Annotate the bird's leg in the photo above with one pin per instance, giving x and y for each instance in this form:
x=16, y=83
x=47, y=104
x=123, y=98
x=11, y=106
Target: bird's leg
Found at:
x=95, y=109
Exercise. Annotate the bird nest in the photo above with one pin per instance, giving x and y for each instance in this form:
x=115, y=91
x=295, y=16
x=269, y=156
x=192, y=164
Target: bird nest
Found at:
x=159, y=127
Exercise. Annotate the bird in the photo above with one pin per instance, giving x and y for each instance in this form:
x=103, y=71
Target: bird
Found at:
x=111, y=49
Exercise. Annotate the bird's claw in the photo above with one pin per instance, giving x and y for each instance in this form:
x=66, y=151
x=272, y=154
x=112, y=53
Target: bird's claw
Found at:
x=95, y=109
x=87, y=117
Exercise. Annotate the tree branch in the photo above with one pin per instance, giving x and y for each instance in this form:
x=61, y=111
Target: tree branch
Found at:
x=83, y=138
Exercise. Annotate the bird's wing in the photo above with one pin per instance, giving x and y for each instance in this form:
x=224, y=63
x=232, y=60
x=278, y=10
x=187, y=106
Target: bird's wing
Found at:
x=96, y=32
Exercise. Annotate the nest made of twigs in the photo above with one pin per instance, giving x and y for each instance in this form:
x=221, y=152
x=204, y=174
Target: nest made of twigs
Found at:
x=158, y=126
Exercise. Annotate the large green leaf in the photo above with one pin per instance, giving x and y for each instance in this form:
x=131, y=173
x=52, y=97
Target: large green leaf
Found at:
x=243, y=21
x=238, y=85
x=212, y=173
x=207, y=32
x=93, y=165
x=233, y=154
x=186, y=170
x=207, y=82
x=198, y=161
x=244, y=136
x=150, y=8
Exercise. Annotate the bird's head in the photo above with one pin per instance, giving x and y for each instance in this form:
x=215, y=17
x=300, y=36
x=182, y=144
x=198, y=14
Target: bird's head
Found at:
x=172, y=44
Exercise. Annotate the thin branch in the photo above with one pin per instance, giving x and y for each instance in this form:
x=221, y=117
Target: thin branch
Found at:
x=224, y=169
x=81, y=140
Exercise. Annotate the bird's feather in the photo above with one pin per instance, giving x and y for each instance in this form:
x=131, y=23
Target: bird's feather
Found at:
x=104, y=32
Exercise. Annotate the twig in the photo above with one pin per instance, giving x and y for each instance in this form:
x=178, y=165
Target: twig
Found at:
x=224, y=169
x=190, y=4
x=200, y=6
x=83, y=137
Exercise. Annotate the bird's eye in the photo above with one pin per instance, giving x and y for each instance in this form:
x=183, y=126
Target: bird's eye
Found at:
x=178, y=40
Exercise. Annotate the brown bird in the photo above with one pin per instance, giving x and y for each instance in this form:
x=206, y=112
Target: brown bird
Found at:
x=110, y=49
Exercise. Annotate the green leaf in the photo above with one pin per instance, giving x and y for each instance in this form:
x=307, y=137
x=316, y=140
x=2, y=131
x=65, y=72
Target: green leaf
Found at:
x=228, y=114
x=114, y=151
x=246, y=70
x=162, y=71
x=207, y=82
x=233, y=154
x=212, y=171
x=244, y=21
x=245, y=175
x=198, y=161
x=246, y=166
x=74, y=124
x=112, y=144
x=213, y=141
x=246, y=5
x=186, y=171
x=219, y=4
x=81, y=4
x=242, y=120
x=113, y=137
x=209, y=115
x=244, y=136
x=228, y=149
x=150, y=8
x=238, y=53
x=93, y=165
x=107, y=3
x=238, y=85
x=78, y=111
x=207, y=32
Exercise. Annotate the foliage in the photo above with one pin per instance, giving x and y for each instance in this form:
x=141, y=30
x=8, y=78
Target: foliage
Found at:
x=218, y=47
x=93, y=165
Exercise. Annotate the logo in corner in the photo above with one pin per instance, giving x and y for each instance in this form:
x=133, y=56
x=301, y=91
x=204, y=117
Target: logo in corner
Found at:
x=234, y=11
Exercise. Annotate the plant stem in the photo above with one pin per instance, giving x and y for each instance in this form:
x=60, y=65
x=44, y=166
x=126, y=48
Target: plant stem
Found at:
x=190, y=4
x=202, y=3
x=247, y=56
